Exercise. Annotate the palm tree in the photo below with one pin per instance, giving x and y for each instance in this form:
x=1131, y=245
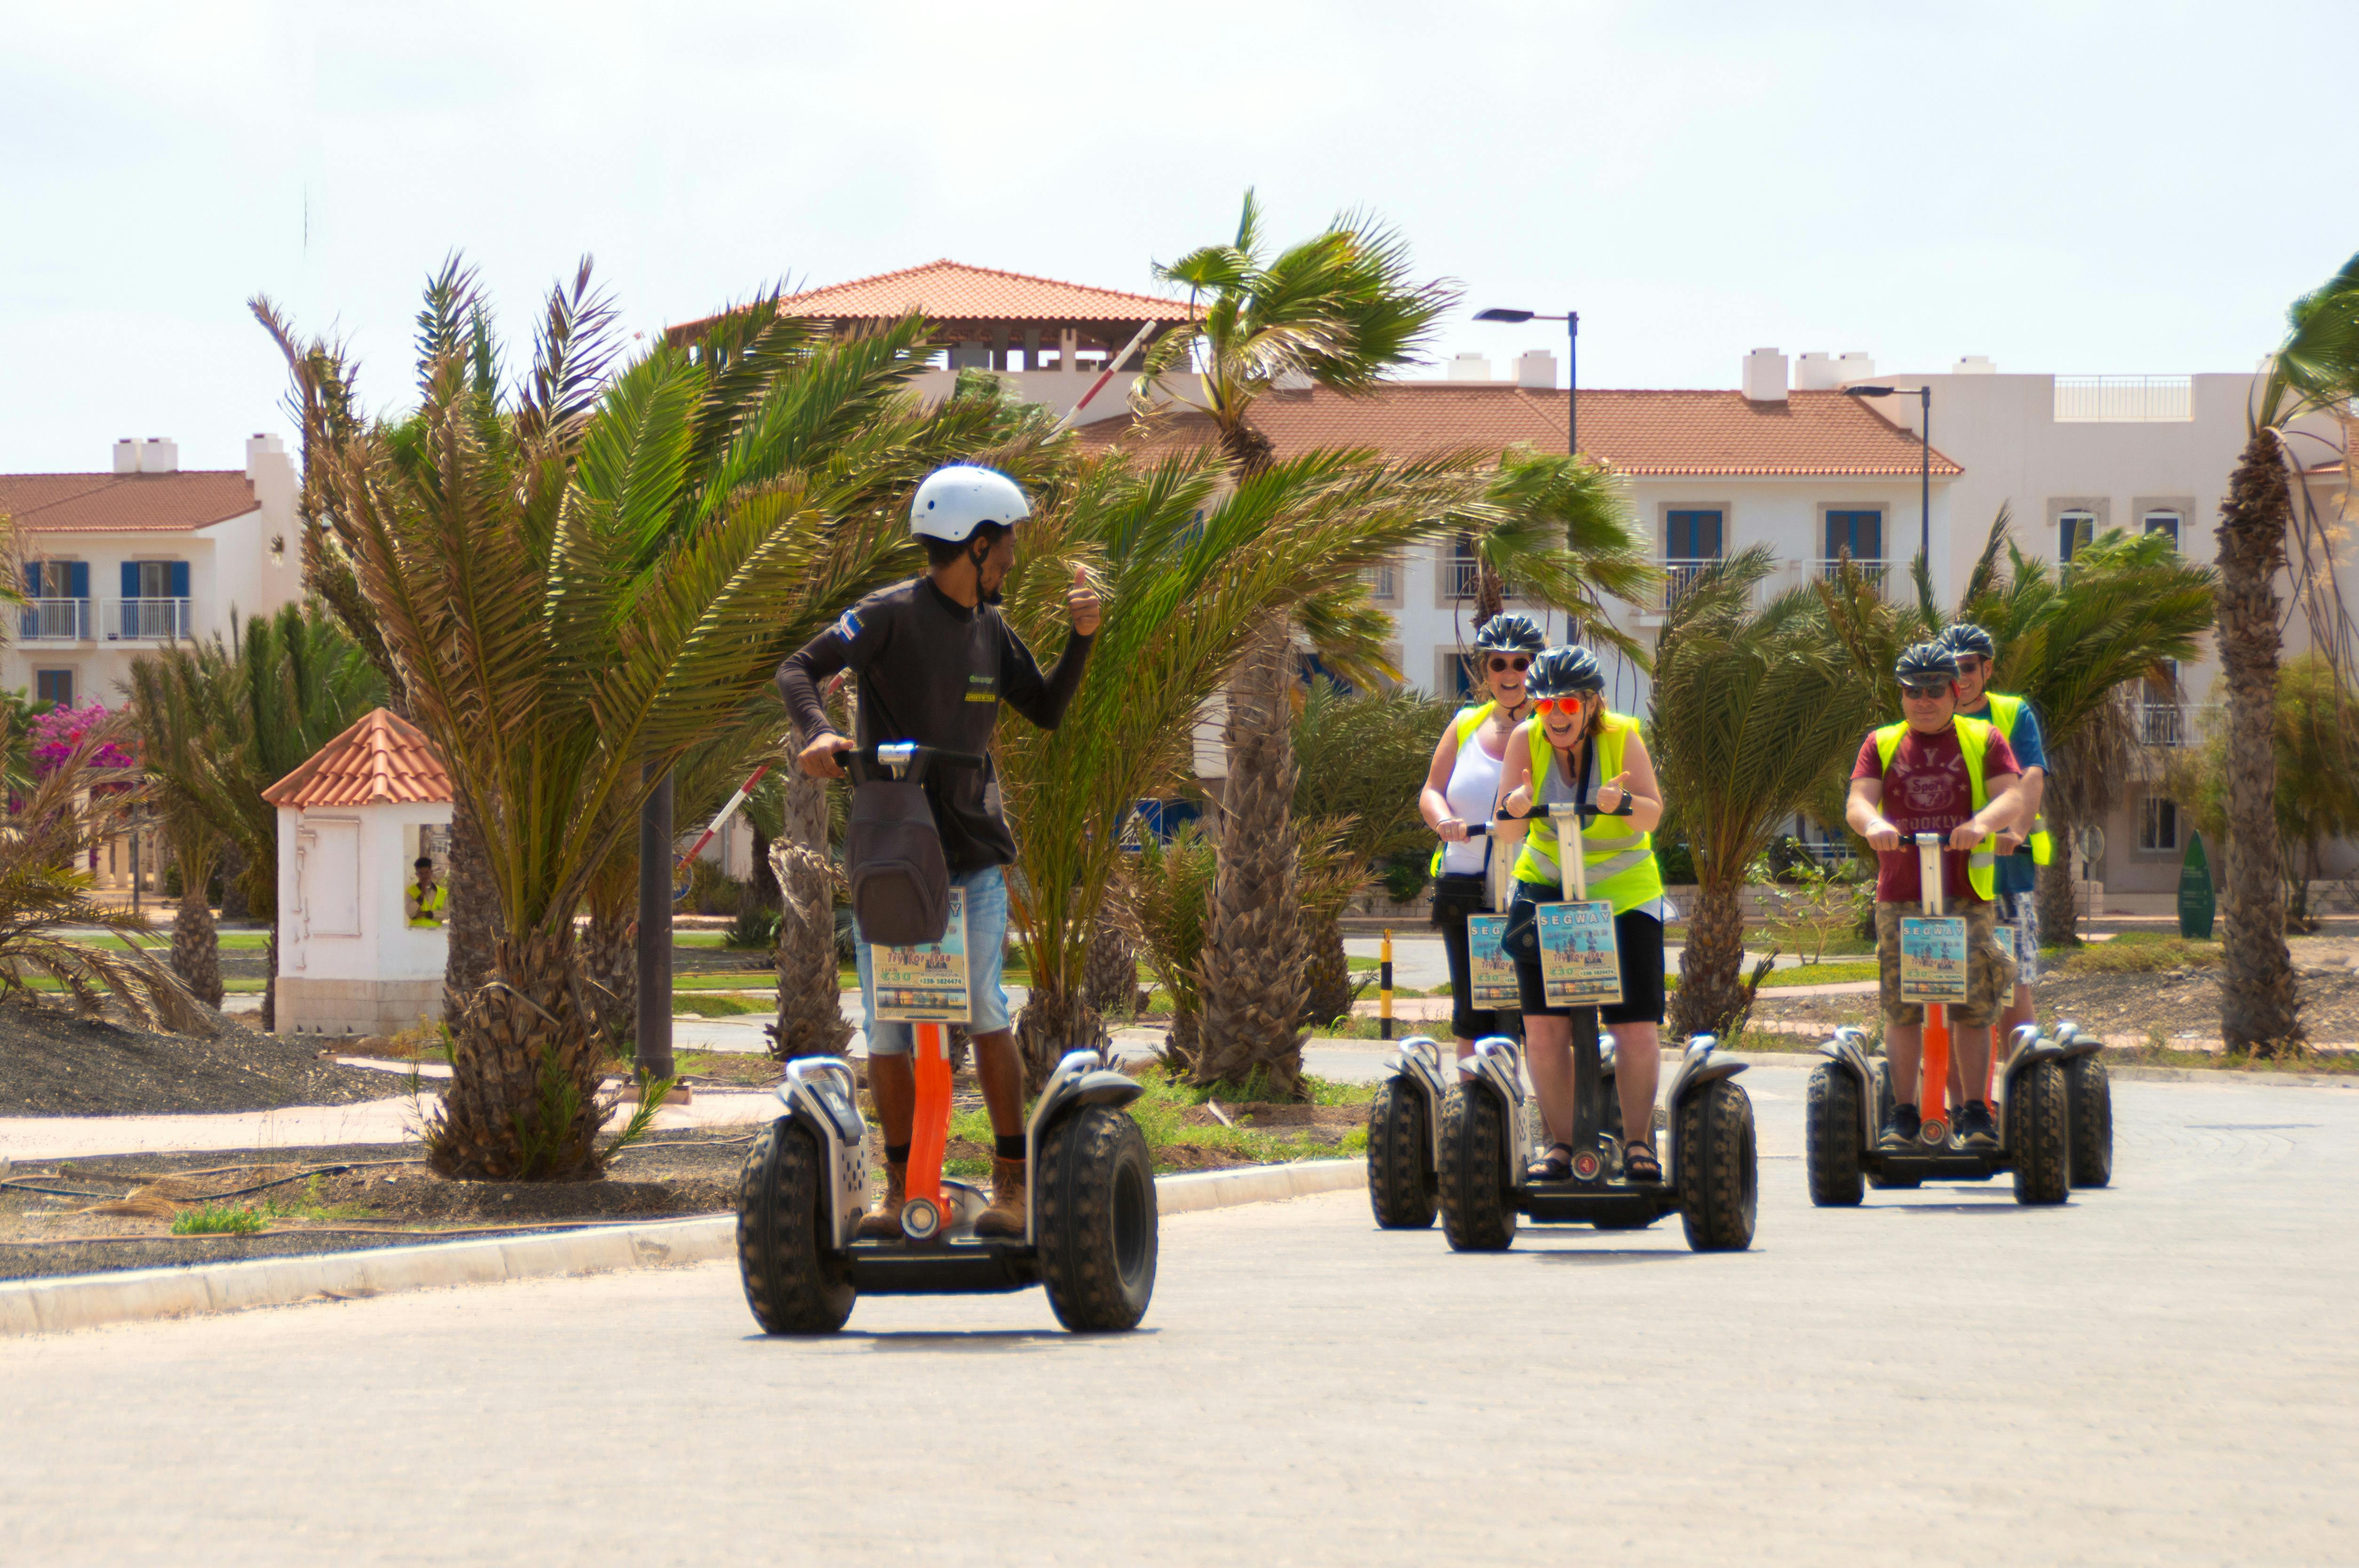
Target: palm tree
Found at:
x=250, y=715
x=170, y=734
x=585, y=578
x=2315, y=368
x=1752, y=708
x=1193, y=561
x=1339, y=311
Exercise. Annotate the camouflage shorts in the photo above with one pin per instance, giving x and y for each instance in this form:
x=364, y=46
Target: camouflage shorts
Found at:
x=1990, y=974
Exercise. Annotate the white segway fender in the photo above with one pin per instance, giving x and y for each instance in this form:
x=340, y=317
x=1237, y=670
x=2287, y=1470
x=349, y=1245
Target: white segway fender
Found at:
x=1703, y=1062
x=822, y=1093
x=1496, y=1066
x=2071, y=1043
x=1418, y=1064
x=1081, y=1078
x=1848, y=1050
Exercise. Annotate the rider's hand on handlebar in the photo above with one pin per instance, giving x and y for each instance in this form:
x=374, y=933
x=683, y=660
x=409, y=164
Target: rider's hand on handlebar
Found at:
x=819, y=758
x=1518, y=803
x=1452, y=830
x=1882, y=835
x=2009, y=840
x=1616, y=788
x=1965, y=835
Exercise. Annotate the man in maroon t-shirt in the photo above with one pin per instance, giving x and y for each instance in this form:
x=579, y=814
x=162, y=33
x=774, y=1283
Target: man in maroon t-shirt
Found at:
x=1927, y=790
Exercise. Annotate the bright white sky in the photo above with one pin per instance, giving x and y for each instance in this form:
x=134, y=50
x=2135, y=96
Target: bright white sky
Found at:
x=2126, y=186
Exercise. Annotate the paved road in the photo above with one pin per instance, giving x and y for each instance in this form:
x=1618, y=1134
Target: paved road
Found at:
x=2162, y=1373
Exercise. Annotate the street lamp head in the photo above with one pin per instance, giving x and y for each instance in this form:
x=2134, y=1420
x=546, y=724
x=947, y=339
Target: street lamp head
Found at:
x=1871, y=391
x=1503, y=315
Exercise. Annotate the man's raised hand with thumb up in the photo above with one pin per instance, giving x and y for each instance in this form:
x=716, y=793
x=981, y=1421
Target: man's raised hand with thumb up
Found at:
x=1081, y=603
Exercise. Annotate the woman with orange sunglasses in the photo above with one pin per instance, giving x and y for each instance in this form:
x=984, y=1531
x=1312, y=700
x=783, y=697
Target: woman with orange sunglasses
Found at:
x=1573, y=750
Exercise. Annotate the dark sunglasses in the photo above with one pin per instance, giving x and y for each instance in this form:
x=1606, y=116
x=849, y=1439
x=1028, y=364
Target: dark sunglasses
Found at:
x=1923, y=693
x=1517, y=663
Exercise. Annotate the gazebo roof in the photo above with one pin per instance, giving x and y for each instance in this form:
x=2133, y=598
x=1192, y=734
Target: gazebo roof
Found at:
x=383, y=760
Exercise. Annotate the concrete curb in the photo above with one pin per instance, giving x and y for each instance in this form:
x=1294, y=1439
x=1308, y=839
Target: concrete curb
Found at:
x=91, y=1301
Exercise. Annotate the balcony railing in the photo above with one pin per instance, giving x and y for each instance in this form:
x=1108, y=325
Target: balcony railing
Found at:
x=1679, y=573
x=54, y=621
x=1382, y=580
x=2162, y=724
x=1462, y=578
x=2125, y=399
x=1877, y=573
x=147, y=620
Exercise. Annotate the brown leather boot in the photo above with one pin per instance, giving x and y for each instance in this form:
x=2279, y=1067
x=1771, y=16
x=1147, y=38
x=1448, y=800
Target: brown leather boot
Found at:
x=1005, y=1217
x=883, y=1223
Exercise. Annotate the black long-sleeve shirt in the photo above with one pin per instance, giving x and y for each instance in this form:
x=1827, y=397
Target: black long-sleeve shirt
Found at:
x=933, y=671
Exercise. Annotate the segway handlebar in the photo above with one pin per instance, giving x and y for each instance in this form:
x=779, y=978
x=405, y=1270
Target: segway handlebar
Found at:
x=905, y=760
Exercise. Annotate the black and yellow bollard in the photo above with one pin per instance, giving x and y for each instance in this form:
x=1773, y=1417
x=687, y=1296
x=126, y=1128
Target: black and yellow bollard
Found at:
x=1385, y=988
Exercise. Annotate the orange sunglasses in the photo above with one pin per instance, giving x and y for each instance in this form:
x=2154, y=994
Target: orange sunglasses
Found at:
x=1565, y=705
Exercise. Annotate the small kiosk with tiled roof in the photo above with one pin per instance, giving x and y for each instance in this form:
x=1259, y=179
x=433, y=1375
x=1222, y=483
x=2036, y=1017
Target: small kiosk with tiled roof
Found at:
x=351, y=821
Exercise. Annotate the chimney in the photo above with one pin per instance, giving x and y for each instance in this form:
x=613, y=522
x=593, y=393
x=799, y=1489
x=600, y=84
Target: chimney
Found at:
x=1765, y=376
x=1816, y=373
x=1975, y=364
x=1536, y=368
x=258, y=447
x=126, y=455
x=1469, y=367
x=1854, y=365
x=159, y=454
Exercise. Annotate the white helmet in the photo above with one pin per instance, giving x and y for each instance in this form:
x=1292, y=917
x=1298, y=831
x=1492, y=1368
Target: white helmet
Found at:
x=955, y=500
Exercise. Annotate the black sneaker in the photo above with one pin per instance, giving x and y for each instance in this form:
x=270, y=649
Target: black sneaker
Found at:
x=1901, y=1125
x=1975, y=1128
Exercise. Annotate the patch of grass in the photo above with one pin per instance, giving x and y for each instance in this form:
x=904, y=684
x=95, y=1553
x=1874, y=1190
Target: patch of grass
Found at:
x=1160, y=1114
x=219, y=1219
x=2137, y=953
x=718, y=1006
x=728, y=980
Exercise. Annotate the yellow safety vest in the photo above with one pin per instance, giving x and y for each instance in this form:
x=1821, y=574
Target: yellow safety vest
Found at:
x=1620, y=860
x=429, y=908
x=2004, y=711
x=1973, y=740
x=1466, y=721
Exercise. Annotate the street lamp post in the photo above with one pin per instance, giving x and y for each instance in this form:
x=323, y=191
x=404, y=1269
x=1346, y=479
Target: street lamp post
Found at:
x=1924, y=395
x=1571, y=319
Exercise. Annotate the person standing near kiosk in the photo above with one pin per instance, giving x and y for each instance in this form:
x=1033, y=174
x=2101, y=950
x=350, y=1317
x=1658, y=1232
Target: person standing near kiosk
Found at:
x=1572, y=752
x=1462, y=789
x=935, y=659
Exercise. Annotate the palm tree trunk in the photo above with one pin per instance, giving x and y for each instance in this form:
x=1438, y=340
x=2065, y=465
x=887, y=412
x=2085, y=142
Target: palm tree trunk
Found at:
x=1711, y=987
x=1327, y=972
x=196, y=945
x=523, y=1097
x=1056, y=1019
x=1252, y=965
x=811, y=997
x=2058, y=892
x=1110, y=972
x=474, y=924
x=2258, y=1000
x=610, y=957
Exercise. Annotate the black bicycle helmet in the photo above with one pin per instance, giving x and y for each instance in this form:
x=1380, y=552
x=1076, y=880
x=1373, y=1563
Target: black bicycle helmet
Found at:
x=1965, y=637
x=1571, y=671
x=1926, y=663
x=1510, y=632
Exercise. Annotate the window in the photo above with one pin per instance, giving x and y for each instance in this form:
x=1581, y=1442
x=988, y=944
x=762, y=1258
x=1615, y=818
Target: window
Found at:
x=2158, y=826
x=1691, y=536
x=53, y=685
x=1461, y=574
x=1454, y=672
x=1859, y=535
x=2164, y=522
x=2074, y=529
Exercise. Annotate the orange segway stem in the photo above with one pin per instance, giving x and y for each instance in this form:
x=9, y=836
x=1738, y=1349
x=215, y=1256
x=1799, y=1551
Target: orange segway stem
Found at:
x=929, y=1129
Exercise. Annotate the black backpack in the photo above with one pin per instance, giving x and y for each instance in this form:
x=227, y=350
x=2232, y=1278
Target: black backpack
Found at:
x=900, y=883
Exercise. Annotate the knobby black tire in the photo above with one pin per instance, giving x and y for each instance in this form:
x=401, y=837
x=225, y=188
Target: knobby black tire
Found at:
x=1877, y=1179
x=794, y=1282
x=2038, y=1138
x=1830, y=1137
x=1719, y=1171
x=1401, y=1187
x=1095, y=1208
x=1475, y=1214
x=2089, y=1109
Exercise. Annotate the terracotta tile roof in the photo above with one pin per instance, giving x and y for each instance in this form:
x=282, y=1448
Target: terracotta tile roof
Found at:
x=125, y=502
x=1640, y=432
x=951, y=291
x=384, y=759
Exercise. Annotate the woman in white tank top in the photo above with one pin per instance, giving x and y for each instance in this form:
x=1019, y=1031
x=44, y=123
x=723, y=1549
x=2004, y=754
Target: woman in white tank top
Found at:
x=1462, y=786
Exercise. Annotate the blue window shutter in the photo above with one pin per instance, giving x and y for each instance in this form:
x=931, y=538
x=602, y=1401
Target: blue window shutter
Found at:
x=179, y=580
x=131, y=579
x=77, y=579
x=1869, y=545
x=33, y=579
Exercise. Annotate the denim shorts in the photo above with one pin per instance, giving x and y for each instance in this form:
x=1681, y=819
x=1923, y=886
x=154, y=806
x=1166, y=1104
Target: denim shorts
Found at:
x=986, y=948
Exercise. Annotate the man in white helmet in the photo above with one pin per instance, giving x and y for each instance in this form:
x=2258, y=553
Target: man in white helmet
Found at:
x=935, y=659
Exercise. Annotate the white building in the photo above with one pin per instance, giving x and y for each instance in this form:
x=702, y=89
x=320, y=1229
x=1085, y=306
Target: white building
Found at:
x=2071, y=456
x=140, y=556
